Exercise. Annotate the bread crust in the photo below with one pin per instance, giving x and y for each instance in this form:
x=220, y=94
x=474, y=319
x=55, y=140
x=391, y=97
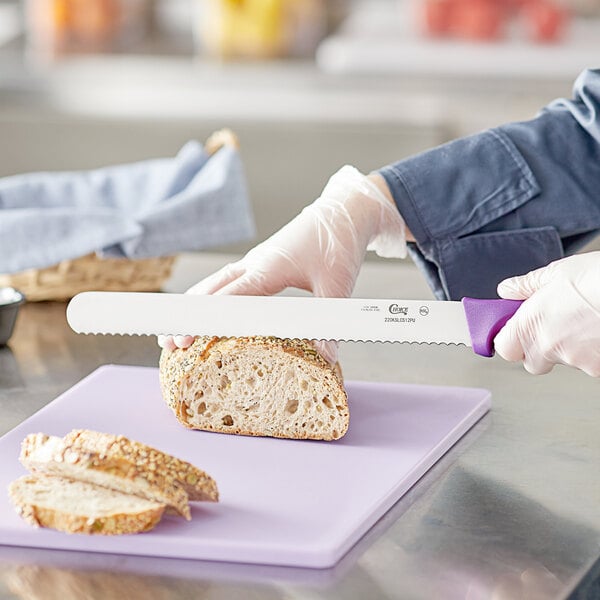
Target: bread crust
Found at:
x=180, y=368
x=123, y=464
x=45, y=514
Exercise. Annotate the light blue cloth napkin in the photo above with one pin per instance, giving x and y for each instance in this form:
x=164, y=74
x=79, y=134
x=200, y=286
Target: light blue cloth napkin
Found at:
x=150, y=208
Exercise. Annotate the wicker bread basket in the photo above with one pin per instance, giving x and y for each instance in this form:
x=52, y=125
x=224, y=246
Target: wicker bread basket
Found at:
x=70, y=277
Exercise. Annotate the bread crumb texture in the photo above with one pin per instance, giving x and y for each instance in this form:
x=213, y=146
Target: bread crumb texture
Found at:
x=261, y=386
x=92, y=482
x=79, y=507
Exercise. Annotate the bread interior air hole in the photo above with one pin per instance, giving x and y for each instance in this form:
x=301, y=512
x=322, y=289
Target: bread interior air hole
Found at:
x=276, y=394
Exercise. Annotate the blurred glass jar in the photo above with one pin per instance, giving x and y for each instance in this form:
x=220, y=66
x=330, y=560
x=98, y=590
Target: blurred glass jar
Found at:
x=64, y=26
x=259, y=28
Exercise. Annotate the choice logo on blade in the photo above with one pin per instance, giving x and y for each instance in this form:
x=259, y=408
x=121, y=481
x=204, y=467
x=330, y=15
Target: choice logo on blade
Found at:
x=396, y=309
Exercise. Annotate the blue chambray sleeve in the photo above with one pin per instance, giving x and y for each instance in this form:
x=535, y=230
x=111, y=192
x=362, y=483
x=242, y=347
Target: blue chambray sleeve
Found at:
x=504, y=201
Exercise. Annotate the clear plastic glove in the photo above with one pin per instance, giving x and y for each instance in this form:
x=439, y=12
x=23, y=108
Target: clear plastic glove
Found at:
x=560, y=321
x=321, y=250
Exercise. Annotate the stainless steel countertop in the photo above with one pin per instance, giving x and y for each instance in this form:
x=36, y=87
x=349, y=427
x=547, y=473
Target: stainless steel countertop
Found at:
x=510, y=512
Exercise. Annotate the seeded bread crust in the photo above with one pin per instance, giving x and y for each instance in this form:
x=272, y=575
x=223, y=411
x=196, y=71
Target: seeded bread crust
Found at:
x=58, y=503
x=198, y=485
x=319, y=411
x=119, y=463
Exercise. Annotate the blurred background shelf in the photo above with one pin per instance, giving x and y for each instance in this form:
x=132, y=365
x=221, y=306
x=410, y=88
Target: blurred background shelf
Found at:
x=381, y=38
x=373, y=91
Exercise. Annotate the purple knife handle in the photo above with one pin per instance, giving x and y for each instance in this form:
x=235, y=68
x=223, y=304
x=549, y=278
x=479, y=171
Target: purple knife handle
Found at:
x=485, y=319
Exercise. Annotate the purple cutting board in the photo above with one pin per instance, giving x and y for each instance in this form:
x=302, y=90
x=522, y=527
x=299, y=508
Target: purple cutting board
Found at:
x=283, y=502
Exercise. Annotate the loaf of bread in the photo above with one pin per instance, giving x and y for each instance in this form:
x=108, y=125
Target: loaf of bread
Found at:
x=92, y=482
x=80, y=507
x=255, y=386
x=121, y=464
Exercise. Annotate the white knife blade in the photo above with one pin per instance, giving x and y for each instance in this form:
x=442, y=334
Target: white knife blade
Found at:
x=340, y=319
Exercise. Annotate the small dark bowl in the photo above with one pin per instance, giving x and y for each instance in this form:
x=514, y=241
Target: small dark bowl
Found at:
x=10, y=301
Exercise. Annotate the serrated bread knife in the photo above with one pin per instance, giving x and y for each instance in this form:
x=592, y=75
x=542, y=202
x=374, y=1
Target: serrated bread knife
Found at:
x=471, y=322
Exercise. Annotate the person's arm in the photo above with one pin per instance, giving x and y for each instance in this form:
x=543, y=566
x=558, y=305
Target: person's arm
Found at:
x=476, y=210
x=505, y=201
x=381, y=183
x=321, y=250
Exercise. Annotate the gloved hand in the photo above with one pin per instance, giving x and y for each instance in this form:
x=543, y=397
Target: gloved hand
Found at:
x=559, y=323
x=321, y=250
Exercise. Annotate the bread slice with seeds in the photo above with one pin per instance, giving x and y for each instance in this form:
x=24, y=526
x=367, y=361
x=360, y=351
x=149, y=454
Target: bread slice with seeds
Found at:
x=255, y=386
x=116, y=462
x=79, y=507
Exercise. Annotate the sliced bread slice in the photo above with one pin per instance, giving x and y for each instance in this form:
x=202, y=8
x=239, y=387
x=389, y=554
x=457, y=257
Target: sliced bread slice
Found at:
x=80, y=507
x=255, y=386
x=119, y=463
